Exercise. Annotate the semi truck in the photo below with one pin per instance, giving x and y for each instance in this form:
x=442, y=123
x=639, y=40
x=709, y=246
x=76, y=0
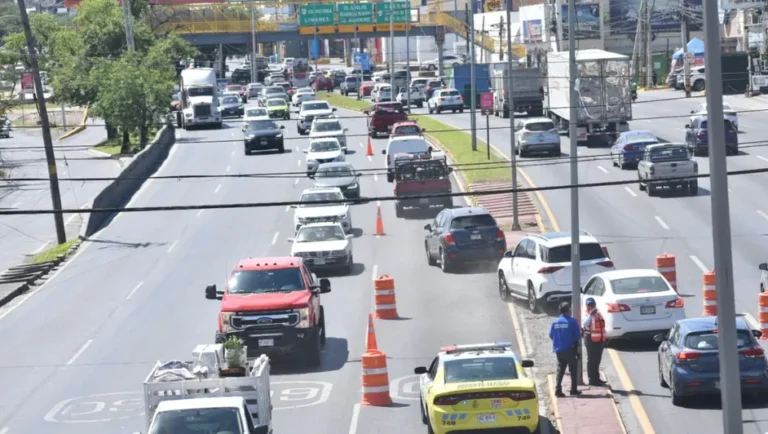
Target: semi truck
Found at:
x=186, y=396
x=603, y=86
x=299, y=73
x=199, y=98
x=528, y=94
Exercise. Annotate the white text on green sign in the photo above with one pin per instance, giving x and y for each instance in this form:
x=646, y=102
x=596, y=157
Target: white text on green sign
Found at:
x=316, y=15
x=355, y=13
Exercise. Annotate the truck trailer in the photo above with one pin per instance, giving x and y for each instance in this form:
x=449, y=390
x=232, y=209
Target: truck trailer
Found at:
x=199, y=98
x=460, y=78
x=528, y=94
x=603, y=86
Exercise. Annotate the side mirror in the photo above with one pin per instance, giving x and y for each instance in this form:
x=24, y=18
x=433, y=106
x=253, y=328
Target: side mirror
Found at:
x=349, y=236
x=661, y=337
x=757, y=333
x=687, y=126
x=383, y=152
x=509, y=254
x=420, y=370
x=357, y=175
x=693, y=111
x=527, y=363
x=763, y=266
x=282, y=127
x=423, y=130
x=581, y=288
x=346, y=129
x=365, y=112
x=261, y=429
x=304, y=151
x=450, y=169
x=211, y=293
x=291, y=240
x=430, y=150
x=427, y=227
x=325, y=286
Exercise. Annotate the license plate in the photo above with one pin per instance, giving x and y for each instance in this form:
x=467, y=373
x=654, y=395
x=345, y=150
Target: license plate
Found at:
x=475, y=236
x=266, y=342
x=424, y=201
x=263, y=142
x=647, y=310
x=486, y=418
x=717, y=384
x=496, y=403
x=320, y=261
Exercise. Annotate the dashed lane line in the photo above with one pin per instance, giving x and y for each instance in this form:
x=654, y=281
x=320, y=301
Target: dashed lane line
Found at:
x=274, y=238
x=631, y=193
x=352, y=423
x=200, y=212
x=133, y=291
x=375, y=177
x=661, y=222
x=218, y=187
x=80, y=352
x=173, y=246
x=602, y=169
x=374, y=271
x=762, y=158
x=229, y=167
x=287, y=208
x=699, y=264
x=762, y=214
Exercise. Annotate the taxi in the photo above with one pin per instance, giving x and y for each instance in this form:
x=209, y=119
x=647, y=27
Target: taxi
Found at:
x=478, y=387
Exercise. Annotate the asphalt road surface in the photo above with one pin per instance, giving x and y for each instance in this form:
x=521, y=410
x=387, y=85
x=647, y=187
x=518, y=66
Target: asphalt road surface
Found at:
x=637, y=228
x=76, y=351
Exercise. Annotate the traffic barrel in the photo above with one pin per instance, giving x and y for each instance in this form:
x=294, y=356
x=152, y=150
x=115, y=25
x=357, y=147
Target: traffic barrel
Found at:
x=384, y=298
x=379, y=221
x=762, y=301
x=710, y=294
x=665, y=265
x=375, y=375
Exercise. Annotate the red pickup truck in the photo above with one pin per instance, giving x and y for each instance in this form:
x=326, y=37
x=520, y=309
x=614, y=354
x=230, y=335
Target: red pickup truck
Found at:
x=421, y=175
x=383, y=116
x=273, y=306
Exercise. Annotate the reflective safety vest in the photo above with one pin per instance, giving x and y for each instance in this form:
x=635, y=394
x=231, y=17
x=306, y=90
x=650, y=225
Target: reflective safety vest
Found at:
x=597, y=327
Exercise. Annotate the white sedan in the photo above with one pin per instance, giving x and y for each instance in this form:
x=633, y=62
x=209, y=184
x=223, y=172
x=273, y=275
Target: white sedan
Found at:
x=728, y=111
x=323, y=150
x=634, y=303
x=302, y=95
x=324, y=245
x=255, y=114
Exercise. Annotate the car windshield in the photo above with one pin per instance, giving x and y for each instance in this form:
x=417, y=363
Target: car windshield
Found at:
x=198, y=420
x=389, y=108
x=308, y=198
x=326, y=146
x=316, y=106
x=449, y=93
x=638, y=285
x=304, y=91
x=231, y=100
x=540, y=126
x=728, y=125
x=351, y=79
x=335, y=172
x=482, y=220
x=708, y=340
x=262, y=125
x=271, y=90
x=408, y=129
x=558, y=254
x=309, y=234
x=200, y=91
x=323, y=127
x=385, y=90
x=420, y=82
x=642, y=138
x=275, y=102
x=480, y=369
x=256, y=112
x=260, y=281
x=234, y=88
x=433, y=83
x=669, y=153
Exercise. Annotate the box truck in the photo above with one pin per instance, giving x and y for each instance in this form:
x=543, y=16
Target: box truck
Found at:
x=199, y=98
x=528, y=90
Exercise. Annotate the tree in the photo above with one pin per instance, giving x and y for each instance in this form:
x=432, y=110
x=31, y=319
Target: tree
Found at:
x=45, y=28
x=11, y=21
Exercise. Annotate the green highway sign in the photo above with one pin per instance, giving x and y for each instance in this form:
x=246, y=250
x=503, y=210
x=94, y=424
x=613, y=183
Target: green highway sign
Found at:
x=355, y=13
x=317, y=15
x=402, y=10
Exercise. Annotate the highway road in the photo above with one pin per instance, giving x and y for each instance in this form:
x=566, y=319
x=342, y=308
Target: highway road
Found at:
x=134, y=294
x=23, y=157
x=637, y=228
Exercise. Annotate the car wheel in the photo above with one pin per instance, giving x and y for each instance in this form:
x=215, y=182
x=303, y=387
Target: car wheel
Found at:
x=533, y=302
x=662, y=381
x=438, y=110
x=429, y=109
x=246, y=152
x=390, y=177
x=281, y=149
x=503, y=288
x=313, y=349
x=622, y=165
x=640, y=184
x=445, y=263
x=650, y=189
x=322, y=326
x=350, y=265
x=693, y=188
x=461, y=110
x=432, y=261
x=677, y=400
x=424, y=417
x=398, y=210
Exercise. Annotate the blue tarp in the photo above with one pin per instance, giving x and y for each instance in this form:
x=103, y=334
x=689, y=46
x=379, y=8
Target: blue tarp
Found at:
x=695, y=46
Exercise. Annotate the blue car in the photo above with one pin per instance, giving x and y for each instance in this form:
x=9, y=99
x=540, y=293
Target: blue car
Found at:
x=697, y=139
x=628, y=149
x=689, y=362
x=463, y=235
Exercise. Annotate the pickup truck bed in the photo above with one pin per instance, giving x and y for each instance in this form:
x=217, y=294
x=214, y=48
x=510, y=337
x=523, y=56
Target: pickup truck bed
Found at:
x=656, y=173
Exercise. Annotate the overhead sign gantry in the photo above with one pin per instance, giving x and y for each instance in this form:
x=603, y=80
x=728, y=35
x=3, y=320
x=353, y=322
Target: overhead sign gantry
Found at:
x=326, y=19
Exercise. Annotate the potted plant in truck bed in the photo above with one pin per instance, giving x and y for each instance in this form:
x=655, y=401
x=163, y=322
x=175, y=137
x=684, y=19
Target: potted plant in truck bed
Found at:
x=235, y=357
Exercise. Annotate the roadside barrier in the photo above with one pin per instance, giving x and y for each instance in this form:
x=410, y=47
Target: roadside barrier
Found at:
x=710, y=295
x=666, y=266
x=762, y=301
x=375, y=375
x=370, y=148
x=384, y=298
x=379, y=221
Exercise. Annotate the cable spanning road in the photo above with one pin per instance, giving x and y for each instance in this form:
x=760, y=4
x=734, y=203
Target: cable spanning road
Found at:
x=75, y=352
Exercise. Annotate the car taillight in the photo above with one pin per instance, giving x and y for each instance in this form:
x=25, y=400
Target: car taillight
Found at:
x=628, y=147
x=549, y=270
x=651, y=170
x=449, y=239
x=686, y=356
x=752, y=352
x=618, y=307
x=440, y=99
x=676, y=303
x=701, y=133
x=500, y=236
x=461, y=98
x=606, y=264
x=511, y=396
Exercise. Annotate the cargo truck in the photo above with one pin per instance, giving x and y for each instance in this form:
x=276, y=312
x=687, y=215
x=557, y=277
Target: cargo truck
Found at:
x=299, y=73
x=461, y=80
x=528, y=94
x=199, y=98
x=603, y=85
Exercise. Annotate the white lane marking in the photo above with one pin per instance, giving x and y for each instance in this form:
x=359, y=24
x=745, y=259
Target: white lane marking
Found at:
x=699, y=264
x=228, y=168
x=298, y=163
x=217, y=189
x=41, y=248
x=352, y=423
x=133, y=291
x=374, y=271
x=762, y=158
x=370, y=159
x=602, y=169
x=4, y=430
x=173, y=246
x=233, y=153
x=296, y=181
x=274, y=239
x=762, y=214
x=361, y=145
x=631, y=193
x=200, y=212
x=375, y=177
x=15, y=205
x=661, y=222
x=287, y=208
x=682, y=130
x=80, y=352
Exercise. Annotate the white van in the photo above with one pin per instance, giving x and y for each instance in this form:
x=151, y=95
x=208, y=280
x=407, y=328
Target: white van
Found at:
x=405, y=145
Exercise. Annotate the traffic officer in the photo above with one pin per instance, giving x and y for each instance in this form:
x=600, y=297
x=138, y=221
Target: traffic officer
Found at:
x=565, y=336
x=594, y=340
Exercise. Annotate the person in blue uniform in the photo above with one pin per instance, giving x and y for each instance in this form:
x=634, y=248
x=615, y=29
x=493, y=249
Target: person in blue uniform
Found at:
x=565, y=334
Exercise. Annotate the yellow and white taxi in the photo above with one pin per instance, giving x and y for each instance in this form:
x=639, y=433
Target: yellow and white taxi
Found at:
x=478, y=387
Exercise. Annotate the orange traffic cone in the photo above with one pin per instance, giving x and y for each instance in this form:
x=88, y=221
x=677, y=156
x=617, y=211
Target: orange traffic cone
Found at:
x=375, y=375
x=370, y=148
x=379, y=222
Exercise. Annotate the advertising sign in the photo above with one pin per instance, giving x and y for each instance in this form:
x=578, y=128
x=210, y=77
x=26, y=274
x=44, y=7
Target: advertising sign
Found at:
x=533, y=31
x=664, y=15
x=587, y=21
x=486, y=101
x=27, y=81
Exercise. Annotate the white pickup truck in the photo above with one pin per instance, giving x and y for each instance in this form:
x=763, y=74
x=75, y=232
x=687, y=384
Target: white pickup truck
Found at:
x=667, y=165
x=176, y=401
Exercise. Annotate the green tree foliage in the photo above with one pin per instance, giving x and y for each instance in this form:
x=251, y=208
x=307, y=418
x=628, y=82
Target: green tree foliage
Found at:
x=45, y=28
x=10, y=21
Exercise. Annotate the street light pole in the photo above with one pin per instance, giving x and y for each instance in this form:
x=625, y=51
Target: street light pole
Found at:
x=392, y=48
x=472, y=87
x=408, y=60
x=253, y=46
x=511, y=101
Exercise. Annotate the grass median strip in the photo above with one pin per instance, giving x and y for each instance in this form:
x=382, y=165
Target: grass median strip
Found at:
x=52, y=253
x=344, y=102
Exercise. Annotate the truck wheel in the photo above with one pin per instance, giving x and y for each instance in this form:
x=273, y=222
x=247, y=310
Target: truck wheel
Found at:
x=650, y=189
x=313, y=351
x=398, y=210
x=322, y=323
x=693, y=188
x=505, y=114
x=390, y=177
x=448, y=203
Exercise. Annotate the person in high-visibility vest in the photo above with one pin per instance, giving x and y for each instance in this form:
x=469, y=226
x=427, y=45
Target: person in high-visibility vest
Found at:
x=594, y=341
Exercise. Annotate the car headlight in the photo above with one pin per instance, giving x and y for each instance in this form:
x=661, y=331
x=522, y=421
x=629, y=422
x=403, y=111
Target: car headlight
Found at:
x=339, y=158
x=279, y=136
x=353, y=186
x=342, y=217
x=303, y=318
x=250, y=136
x=226, y=322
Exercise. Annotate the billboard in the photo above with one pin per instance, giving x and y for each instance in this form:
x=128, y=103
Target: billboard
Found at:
x=587, y=21
x=533, y=31
x=664, y=15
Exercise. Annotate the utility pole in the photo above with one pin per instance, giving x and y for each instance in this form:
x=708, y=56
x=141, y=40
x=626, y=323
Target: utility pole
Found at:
x=472, y=87
x=511, y=101
x=573, y=137
x=730, y=387
x=648, y=40
x=684, y=36
x=253, y=46
x=392, y=48
x=50, y=157
x=408, y=59
x=637, y=48
x=128, y=22
x=559, y=24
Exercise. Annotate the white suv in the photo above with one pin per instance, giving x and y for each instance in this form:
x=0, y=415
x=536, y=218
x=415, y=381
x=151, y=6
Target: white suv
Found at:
x=539, y=268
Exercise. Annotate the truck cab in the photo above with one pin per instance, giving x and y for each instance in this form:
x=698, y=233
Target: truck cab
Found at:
x=421, y=174
x=273, y=306
x=199, y=99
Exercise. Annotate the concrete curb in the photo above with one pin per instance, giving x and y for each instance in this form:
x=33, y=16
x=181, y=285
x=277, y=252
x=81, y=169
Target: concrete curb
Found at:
x=78, y=128
x=648, y=89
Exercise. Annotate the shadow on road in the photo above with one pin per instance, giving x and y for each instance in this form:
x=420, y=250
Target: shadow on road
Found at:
x=335, y=355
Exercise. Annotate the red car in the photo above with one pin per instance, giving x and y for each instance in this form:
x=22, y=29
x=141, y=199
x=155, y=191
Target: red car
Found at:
x=366, y=88
x=323, y=83
x=407, y=128
x=384, y=116
x=240, y=89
